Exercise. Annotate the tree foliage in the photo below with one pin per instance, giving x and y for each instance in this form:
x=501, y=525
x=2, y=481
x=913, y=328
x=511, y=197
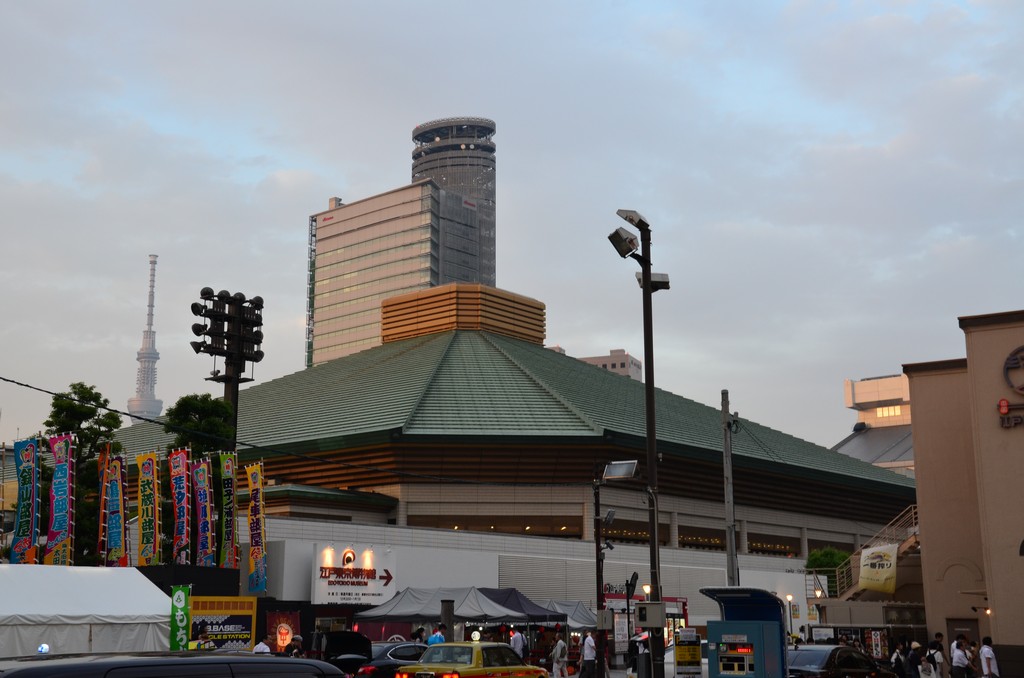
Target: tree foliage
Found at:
x=200, y=422
x=81, y=410
x=827, y=558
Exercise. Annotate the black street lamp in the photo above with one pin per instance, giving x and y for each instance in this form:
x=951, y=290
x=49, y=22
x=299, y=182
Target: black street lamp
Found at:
x=625, y=244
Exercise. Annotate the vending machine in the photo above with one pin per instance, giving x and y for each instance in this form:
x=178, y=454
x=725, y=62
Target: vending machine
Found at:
x=750, y=639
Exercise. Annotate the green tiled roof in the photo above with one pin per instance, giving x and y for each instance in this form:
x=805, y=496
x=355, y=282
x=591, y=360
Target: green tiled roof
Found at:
x=477, y=384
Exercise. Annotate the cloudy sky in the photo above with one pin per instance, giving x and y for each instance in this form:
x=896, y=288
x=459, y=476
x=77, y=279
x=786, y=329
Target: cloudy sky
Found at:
x=830, y=184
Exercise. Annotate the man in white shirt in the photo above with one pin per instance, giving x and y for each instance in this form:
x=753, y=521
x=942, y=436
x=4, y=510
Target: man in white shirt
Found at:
x=588, y=658
x=559, y=655
x=263, y=646
x=516, y=641
x=989, y=667
x=958, y=660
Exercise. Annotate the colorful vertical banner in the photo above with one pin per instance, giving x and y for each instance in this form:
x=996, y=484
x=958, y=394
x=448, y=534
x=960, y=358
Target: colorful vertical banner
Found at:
x=257, y=530
x=115, y=481
x=178, y=461
x=24, y=547
x=228, y=534
x=202, y=487
x=878, y=568
x=101, y=531
x=149, y=510
x=60, y=534
x=181, y=624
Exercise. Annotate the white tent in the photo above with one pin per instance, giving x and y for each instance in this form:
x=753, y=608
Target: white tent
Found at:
x=578, y=617
x=425, y=605
x=80, y=609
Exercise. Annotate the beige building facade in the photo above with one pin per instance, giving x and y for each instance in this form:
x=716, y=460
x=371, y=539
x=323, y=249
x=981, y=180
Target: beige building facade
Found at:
x=407, y=239
x=969, y=455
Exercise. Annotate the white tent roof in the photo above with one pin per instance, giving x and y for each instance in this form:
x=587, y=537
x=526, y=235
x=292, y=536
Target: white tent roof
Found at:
x=577, y=615
x=81, y=609
x=425, y=605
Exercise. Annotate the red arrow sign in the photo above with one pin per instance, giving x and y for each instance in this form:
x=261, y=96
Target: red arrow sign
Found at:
x=386, y=576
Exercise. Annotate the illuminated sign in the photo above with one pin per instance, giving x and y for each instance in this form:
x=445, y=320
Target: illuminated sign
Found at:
x=353, y=574
x=1013, y=373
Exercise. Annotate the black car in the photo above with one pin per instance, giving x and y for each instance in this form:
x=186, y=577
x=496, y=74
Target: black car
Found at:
x=833, y=661
x=151, y=664
x=389, y=656
x=348, y=650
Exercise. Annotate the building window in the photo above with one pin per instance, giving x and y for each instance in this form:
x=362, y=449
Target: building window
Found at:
x=622, y=364
x=604, y=366
x=891, y=411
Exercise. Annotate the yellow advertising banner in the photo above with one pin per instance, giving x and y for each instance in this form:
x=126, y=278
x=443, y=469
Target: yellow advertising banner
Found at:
x=229, y=621
x=878, y=568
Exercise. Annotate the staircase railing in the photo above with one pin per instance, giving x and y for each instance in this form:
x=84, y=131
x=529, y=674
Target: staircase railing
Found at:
x=902, y=528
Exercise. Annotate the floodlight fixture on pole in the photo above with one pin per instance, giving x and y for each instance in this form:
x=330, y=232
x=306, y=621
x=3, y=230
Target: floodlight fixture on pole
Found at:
x=231, y=329
x=624, y=242
x=620, y=470
x=634, y=218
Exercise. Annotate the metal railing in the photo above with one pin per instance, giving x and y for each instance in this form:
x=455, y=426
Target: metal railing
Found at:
x=902, y=531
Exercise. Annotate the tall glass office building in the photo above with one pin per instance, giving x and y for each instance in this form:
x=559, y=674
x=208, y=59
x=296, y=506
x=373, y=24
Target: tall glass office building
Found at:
x=408, y=239
x=458, y=154
x=437, y=230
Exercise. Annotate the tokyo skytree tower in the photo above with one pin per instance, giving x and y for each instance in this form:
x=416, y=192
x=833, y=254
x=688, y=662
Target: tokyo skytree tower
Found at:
x=145, y=404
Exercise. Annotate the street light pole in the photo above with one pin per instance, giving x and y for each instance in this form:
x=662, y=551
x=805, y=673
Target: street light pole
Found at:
x=602, y=635
x=657, y=638
x=789, y=606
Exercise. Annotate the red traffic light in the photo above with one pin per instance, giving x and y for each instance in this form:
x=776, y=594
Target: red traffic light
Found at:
x=1004, y=406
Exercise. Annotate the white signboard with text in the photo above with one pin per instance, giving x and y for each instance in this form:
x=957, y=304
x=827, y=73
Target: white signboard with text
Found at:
x=352, y=575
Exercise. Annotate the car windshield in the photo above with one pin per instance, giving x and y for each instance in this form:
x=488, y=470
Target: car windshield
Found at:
x=447, y=654
x=379, y=649
x=808, y=657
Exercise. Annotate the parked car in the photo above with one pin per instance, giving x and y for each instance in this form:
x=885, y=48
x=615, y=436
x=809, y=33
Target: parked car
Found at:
x=148, y=664
x=348, y=650
x=833, y=661
x=387, y=657
x=469, y=660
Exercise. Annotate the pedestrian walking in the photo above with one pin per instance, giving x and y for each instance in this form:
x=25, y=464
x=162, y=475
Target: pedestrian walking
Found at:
x=989, y=666
x=958, y=661
x=897, y=659
x=438, y=635
x=588, y=657
x=517, y=642
x=559, y=658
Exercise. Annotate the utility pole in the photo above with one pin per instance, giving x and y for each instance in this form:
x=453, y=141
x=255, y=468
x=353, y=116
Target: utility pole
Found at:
x=729, y=424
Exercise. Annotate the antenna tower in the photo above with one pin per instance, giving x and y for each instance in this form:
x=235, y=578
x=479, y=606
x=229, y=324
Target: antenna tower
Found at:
x=145, y=404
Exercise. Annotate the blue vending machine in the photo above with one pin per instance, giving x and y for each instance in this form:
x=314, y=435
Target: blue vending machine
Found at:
x=749, y=641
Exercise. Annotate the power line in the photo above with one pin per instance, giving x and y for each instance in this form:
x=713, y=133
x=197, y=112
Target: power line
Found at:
x=269, y=450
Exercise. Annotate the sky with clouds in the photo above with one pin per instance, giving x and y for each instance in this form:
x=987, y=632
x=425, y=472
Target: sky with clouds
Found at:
x=830, y=184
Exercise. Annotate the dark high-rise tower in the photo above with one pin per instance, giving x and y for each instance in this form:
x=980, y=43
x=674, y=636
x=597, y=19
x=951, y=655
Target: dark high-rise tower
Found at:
x=145, y=403
x=458, y=154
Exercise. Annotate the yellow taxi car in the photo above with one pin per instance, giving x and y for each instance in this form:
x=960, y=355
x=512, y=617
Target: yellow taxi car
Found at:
x=470, y=660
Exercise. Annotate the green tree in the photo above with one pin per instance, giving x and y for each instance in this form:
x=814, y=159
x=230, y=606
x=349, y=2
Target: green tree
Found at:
x=825, y=561
x=82, y=410
x=200, y=422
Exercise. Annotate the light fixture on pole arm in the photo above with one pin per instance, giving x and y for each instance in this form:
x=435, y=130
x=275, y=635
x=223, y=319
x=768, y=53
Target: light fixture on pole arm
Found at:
x=625, y=243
